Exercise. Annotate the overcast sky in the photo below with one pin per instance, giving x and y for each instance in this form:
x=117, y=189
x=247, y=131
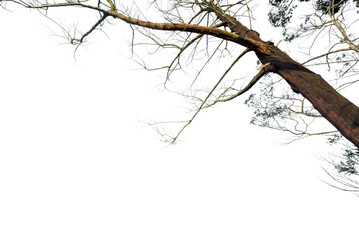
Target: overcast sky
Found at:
x=76, y=161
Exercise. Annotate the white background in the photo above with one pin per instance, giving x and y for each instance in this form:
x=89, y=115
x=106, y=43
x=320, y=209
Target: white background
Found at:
x=77, y=163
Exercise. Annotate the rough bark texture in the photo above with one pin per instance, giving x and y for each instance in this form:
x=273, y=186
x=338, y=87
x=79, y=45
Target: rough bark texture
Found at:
x=338, y=110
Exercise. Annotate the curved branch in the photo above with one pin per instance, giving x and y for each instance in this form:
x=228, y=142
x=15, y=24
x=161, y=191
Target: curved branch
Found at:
x=344, y=34
x=241, y=39
x=255, y=79
x=80, y=40
x=209, y=94
x=326, y=54
x=184, y=27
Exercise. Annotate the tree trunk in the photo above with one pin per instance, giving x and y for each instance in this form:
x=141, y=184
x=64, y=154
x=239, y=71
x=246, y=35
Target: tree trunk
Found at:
x=338, y=110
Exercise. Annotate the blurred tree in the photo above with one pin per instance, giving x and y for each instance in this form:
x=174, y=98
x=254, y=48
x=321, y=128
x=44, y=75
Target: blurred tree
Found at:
x=201, y=31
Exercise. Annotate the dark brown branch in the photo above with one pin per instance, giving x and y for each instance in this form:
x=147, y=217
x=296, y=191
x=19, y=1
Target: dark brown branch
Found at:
x=74, y=40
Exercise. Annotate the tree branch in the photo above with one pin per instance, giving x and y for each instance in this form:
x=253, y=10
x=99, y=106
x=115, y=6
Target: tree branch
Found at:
x=255, y=79
x=209, y=94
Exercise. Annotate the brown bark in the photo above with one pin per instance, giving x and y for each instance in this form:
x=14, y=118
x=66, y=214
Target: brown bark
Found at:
x=338, y=110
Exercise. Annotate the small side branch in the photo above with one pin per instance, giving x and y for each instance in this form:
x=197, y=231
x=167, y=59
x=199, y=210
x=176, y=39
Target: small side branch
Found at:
x=342, y=31
x=112, y=5
x=249, y=38
x=255, y=79
x=80, y=40
x=326, y=54
x=208, y=95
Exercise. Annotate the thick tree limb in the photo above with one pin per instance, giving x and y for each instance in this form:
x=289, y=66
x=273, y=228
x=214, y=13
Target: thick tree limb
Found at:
x=338, y=110
x=184, y=27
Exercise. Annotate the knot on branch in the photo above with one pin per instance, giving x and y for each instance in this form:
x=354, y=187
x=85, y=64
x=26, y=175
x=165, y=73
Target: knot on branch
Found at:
x=268, y=67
